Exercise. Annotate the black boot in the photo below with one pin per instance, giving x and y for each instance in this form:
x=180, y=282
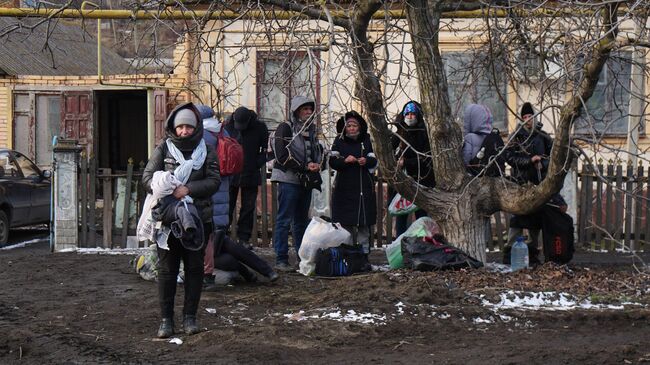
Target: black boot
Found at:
x=166, y=328
x=189, y=324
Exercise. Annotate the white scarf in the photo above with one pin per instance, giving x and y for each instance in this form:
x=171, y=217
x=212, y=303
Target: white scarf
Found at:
x=185, y=168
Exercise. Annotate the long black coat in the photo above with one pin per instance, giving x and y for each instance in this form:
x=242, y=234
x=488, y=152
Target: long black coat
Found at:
x=523, y=146
x=254, y=140
x=203, y=182
x=349, y=205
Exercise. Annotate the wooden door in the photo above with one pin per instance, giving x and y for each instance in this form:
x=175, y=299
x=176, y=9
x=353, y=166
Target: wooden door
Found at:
x=77, y=118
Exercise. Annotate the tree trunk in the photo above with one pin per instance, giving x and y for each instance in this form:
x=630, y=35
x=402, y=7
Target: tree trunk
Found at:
x=466, y=229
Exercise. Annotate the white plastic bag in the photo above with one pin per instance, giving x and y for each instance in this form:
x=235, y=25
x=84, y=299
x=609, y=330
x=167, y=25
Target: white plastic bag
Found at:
x=401, y=206
x=320, y=234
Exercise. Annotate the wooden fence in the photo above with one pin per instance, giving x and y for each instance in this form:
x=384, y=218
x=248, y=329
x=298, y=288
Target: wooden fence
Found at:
x=612, y=209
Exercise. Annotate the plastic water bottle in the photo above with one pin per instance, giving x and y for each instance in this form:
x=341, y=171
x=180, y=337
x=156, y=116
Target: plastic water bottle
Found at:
x=481, y=153
x=519, y=255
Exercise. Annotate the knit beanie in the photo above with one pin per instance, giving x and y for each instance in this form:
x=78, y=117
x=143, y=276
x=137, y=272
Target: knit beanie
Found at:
x=527, y=108
x=411, y=107
x=185, y=117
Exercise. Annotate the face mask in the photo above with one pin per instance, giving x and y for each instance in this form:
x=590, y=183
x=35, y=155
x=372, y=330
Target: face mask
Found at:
x=411, y=121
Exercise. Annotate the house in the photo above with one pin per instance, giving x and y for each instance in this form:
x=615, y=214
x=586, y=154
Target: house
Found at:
x=50, y=86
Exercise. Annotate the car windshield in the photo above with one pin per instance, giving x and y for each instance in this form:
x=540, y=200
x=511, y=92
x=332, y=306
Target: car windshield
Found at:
x=27, y=167
x=8, y=167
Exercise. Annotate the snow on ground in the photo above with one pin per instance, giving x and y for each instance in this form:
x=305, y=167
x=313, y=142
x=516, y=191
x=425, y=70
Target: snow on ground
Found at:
x=551, y=301
x=107, y=251
x=25, y=243
x=337, y=315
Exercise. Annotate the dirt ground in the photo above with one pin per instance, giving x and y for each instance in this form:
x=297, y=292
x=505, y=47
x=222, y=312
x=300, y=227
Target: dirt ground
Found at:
x=71, y=308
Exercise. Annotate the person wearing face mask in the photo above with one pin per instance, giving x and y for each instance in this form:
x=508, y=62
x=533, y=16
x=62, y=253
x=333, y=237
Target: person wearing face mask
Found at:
x=353, y=198
x=297, y=152
x=412, y=151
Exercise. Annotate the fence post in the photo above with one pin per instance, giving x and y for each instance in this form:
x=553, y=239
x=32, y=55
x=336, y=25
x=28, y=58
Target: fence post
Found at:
x=107, y=216
x=598, y=243
x=265, y=209
x=92, y=202
x=127, y=202
x=83, y=185
x=620, y=201
x=638, y=205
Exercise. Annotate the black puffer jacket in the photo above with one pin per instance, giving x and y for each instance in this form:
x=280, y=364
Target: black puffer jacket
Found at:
x=417, y=166
x=202, y=182
x=523, y=146
x=349, y=206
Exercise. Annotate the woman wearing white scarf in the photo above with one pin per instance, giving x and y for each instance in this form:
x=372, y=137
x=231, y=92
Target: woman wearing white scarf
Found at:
x=183, y=153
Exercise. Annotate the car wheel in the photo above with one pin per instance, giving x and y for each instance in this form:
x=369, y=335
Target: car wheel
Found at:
x=4, y=228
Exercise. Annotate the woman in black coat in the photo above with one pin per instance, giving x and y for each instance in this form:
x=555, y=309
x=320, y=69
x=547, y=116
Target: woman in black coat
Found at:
x=353, y=199
x=184, y=130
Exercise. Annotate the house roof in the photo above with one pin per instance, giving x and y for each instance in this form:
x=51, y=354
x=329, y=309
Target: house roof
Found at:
x=68, y=50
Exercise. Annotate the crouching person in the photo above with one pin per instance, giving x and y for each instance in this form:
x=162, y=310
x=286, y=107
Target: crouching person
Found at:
x=233, y=260
x=195, y=173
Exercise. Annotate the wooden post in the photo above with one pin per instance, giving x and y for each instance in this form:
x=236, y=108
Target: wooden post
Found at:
x=629, y=183
x=598, y=243
x=107, y=232
x=92, y=202
x=265, y=209
x=638, y=204
x=588, y=179
x=127, y=202
x=620, y=201
x=610, y=211
x=83, y=185
x=380, y=210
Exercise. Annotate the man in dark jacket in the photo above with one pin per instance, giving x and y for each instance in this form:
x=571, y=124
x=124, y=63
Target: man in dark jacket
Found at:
x=184, y=132
x=527, y=153
x=296, y=150
x=413, y=153
x=254, y=137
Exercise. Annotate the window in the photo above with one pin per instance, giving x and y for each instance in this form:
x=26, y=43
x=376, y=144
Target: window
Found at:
x=606, y=112
x=280, y=77
x=37, y=119
x=470, y=81
x=26, y=166
x=7, y=166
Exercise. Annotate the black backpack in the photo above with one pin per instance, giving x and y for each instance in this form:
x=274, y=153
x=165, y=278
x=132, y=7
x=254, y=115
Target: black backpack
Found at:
x=491, y=146
x=557, y=232
x=344, y=260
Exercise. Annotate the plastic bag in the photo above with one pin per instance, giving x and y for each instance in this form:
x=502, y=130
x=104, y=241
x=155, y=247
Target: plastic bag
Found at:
x=427, y=254
x=146, y=264
x=423, y=227
x=401, y=206
x=320, y=234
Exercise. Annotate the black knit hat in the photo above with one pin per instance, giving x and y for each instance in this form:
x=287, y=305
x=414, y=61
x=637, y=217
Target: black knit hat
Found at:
x=527, y=108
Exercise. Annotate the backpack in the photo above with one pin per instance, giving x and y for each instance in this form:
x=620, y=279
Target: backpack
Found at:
x=343, y=260
x=491, y=146
x=230, y=154
x=557, y=235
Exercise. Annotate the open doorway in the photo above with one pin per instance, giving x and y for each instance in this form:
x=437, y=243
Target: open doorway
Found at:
x=122, y=127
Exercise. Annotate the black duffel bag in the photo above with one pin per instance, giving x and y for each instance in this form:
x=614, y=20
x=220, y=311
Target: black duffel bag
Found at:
x=343, y=260
x=427, y=254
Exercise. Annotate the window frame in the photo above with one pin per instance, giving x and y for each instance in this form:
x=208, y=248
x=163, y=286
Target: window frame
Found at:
x=32, y=116
x=263, y=56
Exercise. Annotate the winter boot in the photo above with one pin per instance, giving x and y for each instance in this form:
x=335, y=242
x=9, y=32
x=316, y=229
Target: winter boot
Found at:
x=189, y=324
x=166, y=329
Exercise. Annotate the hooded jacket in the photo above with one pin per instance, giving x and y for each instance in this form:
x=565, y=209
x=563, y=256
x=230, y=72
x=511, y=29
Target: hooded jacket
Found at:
x=353, y=198
x=289, y=147
x=417, y=166
x=477, y=124
x=203, y=182
x=254, y=139
x=220, y=199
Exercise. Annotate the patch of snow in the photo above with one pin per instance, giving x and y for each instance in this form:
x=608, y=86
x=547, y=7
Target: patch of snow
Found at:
x=337, y=315
x=176, y=341
x=479, y=320
x=381, y=268
x=25, y=243
x=107, y=251
x=211, y=310
x=400, y=308
x=496, y=267
x=551, y=301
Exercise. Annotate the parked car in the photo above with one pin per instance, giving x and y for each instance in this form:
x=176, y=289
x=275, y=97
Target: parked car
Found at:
x=24, y=193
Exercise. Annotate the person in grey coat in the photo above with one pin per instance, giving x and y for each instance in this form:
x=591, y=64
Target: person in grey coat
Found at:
x=477, y=124
x=297, y=152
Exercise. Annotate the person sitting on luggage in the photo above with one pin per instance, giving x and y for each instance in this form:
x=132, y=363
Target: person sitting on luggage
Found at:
x=481, y=142
x=528, y=153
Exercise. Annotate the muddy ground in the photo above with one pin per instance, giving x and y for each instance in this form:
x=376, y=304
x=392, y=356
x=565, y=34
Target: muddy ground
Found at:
x=71, y=308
